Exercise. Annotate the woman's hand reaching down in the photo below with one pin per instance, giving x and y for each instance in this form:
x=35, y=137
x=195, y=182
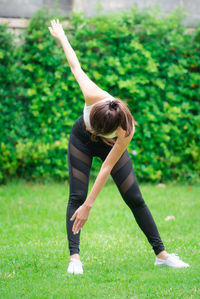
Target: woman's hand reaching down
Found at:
x=56, y=29
x=81, y=215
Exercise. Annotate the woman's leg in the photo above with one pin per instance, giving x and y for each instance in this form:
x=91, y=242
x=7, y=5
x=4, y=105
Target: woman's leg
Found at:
x=79, y=163
x=125, y=179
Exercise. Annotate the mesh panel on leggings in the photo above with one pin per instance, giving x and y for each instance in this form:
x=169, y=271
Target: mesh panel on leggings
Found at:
x=128, y=177
x=79, y=175
x=78, y=154
x=84, y=158
x=120, y=162
x=127, y=183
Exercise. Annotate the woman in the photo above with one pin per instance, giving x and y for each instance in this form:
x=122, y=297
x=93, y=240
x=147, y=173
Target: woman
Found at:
x=104, y=130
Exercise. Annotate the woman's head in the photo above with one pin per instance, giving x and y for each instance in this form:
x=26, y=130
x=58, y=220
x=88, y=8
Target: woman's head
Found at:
x=106, y=117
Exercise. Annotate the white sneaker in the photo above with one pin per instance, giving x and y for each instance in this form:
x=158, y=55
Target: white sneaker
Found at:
x=173, y=261
x=75, y=266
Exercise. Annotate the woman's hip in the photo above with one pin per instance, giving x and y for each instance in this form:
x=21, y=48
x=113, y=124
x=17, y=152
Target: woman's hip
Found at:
x=79, y=130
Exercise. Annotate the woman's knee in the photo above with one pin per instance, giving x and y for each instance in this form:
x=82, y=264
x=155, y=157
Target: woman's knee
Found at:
x=78, y=197
x=135, y=200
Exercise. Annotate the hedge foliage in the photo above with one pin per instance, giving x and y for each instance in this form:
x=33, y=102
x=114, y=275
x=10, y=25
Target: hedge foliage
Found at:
x=151, y=63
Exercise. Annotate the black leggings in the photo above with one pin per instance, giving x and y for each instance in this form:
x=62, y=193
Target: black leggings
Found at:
x=81, y=150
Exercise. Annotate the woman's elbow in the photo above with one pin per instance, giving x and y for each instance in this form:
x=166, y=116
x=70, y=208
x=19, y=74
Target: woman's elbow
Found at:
x=106, y=169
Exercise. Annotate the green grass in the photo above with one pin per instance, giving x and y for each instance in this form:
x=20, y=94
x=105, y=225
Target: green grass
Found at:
x=117, y=259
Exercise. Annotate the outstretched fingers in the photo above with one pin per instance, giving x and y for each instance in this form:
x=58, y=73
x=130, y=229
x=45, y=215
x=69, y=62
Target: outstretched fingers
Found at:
x=78, y=224
x=53, y=23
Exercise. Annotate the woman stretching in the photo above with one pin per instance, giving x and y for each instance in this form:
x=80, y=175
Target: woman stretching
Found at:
x=104, y=130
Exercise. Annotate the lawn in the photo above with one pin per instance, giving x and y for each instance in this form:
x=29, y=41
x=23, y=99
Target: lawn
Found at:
x=118, y=261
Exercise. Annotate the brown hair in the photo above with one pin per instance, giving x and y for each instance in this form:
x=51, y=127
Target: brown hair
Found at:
x=106, y=117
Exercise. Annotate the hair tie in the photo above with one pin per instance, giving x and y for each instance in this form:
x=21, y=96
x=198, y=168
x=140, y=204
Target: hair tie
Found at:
x=113, y=104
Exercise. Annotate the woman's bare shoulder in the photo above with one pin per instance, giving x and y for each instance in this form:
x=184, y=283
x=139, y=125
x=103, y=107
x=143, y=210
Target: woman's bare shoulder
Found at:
x=120, y=133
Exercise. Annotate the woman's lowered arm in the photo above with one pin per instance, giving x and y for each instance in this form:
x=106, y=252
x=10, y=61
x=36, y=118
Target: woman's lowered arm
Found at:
x=111, y=159
x=91, y=91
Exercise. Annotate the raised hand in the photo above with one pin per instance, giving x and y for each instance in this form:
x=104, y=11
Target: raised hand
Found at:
x=56, y=29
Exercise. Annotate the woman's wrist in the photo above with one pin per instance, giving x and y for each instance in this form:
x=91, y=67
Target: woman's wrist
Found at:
x=62, y=37
x=88, y=204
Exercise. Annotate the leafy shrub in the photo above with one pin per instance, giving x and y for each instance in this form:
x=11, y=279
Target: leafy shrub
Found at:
x=12, y=110
x=149, y=62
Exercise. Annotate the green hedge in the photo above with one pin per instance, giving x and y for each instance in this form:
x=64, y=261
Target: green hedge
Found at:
x=149, y=62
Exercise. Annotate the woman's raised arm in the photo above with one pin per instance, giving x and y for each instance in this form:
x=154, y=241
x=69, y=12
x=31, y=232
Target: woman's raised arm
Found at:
x=91, y=91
